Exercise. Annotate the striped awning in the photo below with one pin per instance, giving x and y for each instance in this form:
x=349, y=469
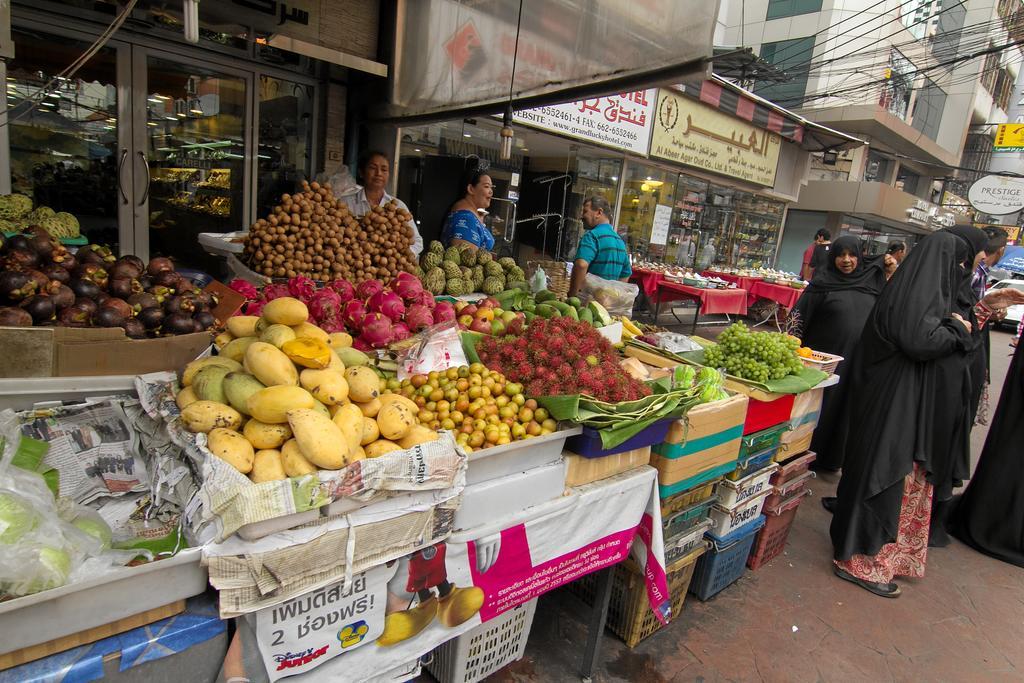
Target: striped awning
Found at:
x=730, y=102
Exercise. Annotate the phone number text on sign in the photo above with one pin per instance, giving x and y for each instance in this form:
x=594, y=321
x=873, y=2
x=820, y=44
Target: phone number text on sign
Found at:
x=623, y=121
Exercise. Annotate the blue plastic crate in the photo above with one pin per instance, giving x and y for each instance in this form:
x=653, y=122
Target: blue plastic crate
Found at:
x=725, y=561
x=588, y=444
x=753, y=463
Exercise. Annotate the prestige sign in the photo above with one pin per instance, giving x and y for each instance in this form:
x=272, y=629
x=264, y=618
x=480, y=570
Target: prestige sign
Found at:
x=997, y=195
x=691, y=133
x=623, y=121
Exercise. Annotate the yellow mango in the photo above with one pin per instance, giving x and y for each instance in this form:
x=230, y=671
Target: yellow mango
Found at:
x=370, y=408
x=285, y=311
x=235, y=349
x=204, y=416
x=271, y=405
x=371, y=432
x=209, y=383
x=389, y=397
x=278, y=335
x=351, y=357
x=419, y=434
x=395, y=420
x=185, y=397
x=307, y=329
x=270, y=365
x=380, y=447
x=266, y=436
x=327, y=386
x=231, y=447
x=320, y=440
x=267, y=466
x=350, y=421
x=242, y=325
x=363, y=383
x=193, y=368
x=222, y=340
x=339, y=340
x=308, y=352
x=293, y=461
x=238, y=387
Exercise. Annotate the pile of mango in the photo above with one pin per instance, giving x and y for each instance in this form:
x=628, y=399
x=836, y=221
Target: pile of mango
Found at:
x=283, y=398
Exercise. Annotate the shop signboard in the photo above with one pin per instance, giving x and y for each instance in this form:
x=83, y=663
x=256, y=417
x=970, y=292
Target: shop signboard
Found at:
x=1009, y=138
x=691, y=133
x=997, y=195
x=623, y=120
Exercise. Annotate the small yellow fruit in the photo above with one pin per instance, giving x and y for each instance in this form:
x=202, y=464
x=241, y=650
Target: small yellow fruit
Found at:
x=307, y=329
x=204, y=416
x=285, y=311
x=308, y=352
x=371, y=432
x=320, y=440
x=271, y=405
x=395, y=420
x=267, y=466
x=370, y=408
x=242, y=325
x=293, y=461
x=185, y=397
x=380, y=447
x=231, y=447
x=266, y=436
x=363, y=383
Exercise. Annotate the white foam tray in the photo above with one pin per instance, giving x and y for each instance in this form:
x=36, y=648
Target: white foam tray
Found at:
x=24, y=393
x=60, y=612
x=518, y=456
x=504, y=496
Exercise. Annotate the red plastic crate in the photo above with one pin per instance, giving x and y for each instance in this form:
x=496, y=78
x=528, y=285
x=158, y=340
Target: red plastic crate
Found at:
x=765, y=414
x=793, y=468
x=771, y=539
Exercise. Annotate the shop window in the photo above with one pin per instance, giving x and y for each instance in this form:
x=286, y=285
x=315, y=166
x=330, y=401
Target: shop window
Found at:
x=792, y=57
x=778, y=9
x=648, y=192
x=928, y=106
x=285, y=139
x=63, y=146
x=878, y=168
x=899, y=84
x=908, y=181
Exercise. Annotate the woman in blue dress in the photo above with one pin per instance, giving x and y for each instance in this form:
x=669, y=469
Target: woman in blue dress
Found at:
x=462, y=226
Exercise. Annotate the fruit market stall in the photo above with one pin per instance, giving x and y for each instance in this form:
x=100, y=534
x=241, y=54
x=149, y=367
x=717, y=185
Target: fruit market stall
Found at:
x=709, y=301
x=785, y=295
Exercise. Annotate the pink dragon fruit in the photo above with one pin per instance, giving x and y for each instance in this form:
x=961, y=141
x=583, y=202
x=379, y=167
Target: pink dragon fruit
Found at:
x=275, y=291
x=255, y=307
x=302, y=288
x=344, y=289
x=418, y=317
x=387, y=302
x=407, y=286
x=360, y=344
x=245, y=288
x=368, y=288
x=353, y=313
x=443, y=312
x=376, y=330
x=400, y=331
x=427, y=299
x=325, y=306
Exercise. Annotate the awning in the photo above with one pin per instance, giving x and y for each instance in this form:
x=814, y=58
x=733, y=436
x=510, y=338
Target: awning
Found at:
x=735, y=101
x=455, y=57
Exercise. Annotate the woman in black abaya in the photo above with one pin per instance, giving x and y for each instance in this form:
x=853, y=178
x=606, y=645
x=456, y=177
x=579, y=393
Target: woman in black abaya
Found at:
x=990, y=516
x=830, y=316
x=918, y=332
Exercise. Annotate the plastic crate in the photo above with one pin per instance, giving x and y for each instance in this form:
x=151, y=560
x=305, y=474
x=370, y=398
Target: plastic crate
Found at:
x=724, y=563
x=681, y=544
x=629, y=611
x=712, y=474
x=819, y=360
x=793, y=468
x=689, y=517
x=701, y=492
x=782, y=492
x=758, y=442
x=588, y=444
x=481, y=651
x=726, y=520
x=771, y=540
x=731, y=492
x=753, y=464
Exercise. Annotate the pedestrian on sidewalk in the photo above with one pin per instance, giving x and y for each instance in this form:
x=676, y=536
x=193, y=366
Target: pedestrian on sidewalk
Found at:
x=915, y=341
x=815, y=254
x=829, y=316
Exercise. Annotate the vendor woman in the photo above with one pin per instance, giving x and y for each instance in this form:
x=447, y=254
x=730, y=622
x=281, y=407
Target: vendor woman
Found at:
x=374, y=171
x=462, y=226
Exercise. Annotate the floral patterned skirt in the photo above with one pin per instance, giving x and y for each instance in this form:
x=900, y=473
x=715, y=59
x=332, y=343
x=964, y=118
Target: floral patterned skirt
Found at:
x=905, y=557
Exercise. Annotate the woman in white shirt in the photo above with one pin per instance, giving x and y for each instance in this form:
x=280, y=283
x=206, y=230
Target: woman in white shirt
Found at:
x=374, y=171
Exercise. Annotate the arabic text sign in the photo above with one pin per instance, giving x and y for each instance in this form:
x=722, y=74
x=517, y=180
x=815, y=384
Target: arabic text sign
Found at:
x=1009, y=137
x=303, y=633
x=623, y=121
x=997, y=195
x=694, y=134
x=662, y=219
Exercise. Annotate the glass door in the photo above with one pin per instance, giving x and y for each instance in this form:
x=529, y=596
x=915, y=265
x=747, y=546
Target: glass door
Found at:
x=190, y=143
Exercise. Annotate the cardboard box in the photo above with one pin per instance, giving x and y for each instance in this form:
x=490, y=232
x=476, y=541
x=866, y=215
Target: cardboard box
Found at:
x=76, y=352
x=806, y=408
x=708, y=436
x=580, y=470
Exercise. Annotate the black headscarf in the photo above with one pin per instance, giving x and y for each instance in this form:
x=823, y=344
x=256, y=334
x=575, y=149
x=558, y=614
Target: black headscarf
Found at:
x=974, y=240
x=868, y=276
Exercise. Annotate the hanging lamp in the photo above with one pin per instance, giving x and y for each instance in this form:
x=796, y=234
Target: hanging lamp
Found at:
x=507, y=134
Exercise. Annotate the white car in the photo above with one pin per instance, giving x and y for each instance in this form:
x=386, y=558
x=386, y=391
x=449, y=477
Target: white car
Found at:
x=1013, y=313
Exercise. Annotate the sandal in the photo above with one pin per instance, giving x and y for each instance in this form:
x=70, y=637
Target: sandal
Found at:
x=886, y=590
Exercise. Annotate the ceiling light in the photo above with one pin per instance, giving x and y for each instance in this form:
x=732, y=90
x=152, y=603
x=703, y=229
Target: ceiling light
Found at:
x=615, y=177
x=466, y=135
x=54, y=95
x=154, y=100
x=48, y=104
x=524, y=149
x=417, y=150
x=151, y=123
x=650, y=178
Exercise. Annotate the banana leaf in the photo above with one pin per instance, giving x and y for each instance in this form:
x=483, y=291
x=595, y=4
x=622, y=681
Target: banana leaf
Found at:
x=469, y=342
x=805, y=380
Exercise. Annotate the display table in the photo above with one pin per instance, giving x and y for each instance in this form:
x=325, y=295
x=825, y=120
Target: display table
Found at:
x=741, y=281
x=783, y=295
x=712, y=301
x=505, y=563
x=647, y=280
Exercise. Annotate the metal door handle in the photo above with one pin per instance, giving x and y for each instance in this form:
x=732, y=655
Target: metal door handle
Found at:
x=120, y=182
x=145, y=194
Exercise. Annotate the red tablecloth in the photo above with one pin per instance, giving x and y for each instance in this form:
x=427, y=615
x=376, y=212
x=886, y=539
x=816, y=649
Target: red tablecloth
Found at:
x=647, y=280
x=784, y=295
x=728, y=301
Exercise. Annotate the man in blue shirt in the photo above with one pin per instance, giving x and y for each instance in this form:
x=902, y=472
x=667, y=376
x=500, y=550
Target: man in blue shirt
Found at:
x=601, y=251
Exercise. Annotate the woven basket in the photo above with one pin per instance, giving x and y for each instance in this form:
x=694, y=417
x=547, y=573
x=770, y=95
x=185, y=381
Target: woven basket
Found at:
x=558, y=281
x=826, y=362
